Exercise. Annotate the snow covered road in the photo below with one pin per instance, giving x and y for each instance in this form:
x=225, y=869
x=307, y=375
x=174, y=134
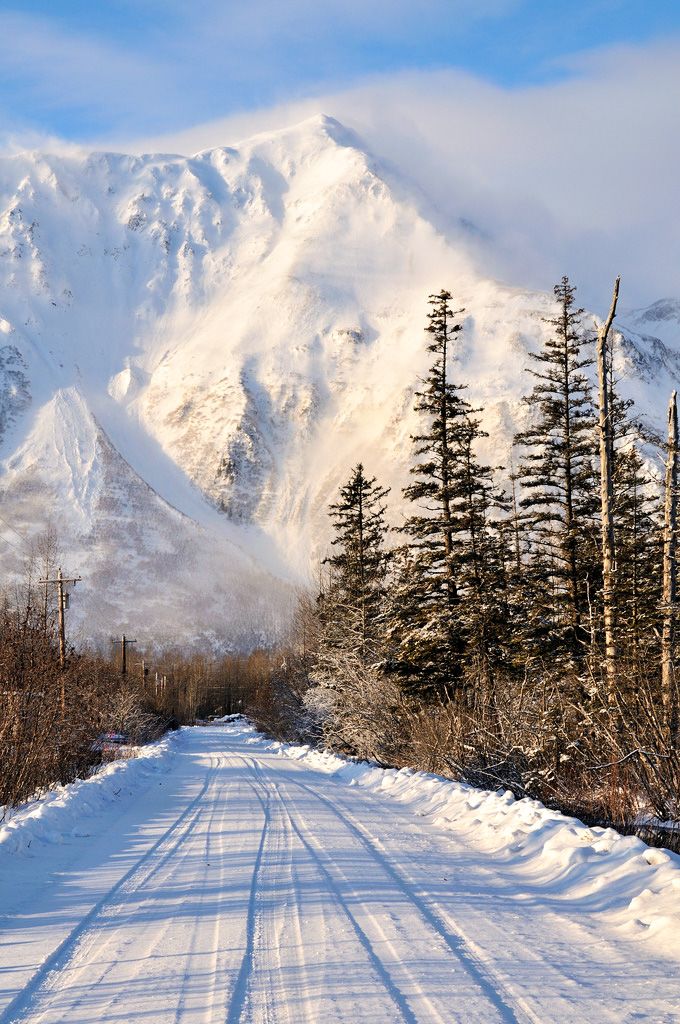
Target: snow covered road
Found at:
x=241, y=885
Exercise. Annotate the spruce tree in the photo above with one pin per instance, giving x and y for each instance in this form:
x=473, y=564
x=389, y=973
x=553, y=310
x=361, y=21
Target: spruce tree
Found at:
x=638, y=559
x=442, y=594
x=559, y=476
x=349, y=613
x=479, y=557
x=637, y=578
x=526, y=624
x=358, y=566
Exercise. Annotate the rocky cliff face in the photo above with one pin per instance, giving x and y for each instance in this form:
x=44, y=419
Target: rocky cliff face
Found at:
x=194, y=352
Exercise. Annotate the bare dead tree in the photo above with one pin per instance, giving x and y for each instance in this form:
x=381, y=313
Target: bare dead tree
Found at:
x=607, y=499
x=670, y=574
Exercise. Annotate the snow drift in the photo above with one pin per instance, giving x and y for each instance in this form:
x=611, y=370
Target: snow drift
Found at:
x=70, y=811
x=636, y=887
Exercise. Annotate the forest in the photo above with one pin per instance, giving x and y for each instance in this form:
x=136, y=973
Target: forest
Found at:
x=516, y=631
x=521, y=637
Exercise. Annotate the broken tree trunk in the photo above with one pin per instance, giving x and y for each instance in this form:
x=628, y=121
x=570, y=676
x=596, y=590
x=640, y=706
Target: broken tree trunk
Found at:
x=670, y=699
x=607, y=501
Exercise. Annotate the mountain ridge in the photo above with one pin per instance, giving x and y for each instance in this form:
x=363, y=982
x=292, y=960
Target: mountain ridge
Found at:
x=242, y=326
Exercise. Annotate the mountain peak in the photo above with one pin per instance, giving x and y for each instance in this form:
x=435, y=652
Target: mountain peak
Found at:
x=246, y=325
x=303, y=138
x=335, y=130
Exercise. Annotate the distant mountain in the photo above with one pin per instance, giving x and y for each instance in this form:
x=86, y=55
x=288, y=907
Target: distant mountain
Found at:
x=194, y=352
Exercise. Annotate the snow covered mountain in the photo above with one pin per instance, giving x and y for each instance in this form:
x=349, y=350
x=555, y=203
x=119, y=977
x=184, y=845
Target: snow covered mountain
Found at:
x=195, y=351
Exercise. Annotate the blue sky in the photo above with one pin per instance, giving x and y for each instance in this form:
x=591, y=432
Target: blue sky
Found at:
x=85, y=70
x=552, y=125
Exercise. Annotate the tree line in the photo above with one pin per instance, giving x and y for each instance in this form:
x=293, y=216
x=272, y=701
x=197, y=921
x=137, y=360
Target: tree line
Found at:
x=517, y=630
x=519, y=634
x=58, y=706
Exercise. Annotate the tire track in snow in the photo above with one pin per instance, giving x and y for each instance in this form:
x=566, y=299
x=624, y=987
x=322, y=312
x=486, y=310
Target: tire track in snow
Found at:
x=493, y=987
x=262, y=991
x=560, y=988
x=299, y=935
x=465, y=950
x=448, y=922
x=418, y=993
x=239, y=994
x=23, y=1002
x=397, y=997
x=88, y=940
x=114, y=917
x=210, y=1010
x=293, y=1011
x=297, y=924
x=270, y=1012
x=191, y=952
x=537, y=987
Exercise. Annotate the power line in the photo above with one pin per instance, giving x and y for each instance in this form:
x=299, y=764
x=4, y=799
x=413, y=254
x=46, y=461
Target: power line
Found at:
x=21, y=536
x=13, y=545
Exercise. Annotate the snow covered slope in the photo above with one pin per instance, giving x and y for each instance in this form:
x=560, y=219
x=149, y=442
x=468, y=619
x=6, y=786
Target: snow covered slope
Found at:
x=194, y=352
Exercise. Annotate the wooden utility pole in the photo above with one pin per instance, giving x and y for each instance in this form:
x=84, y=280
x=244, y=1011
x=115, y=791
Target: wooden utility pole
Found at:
x=670, y=699
x=60, y=582
x=124, y=644
x=607, y=499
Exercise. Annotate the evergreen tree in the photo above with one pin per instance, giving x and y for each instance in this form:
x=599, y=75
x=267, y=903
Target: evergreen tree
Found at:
x=638, y=558
x=525, y=623
x=638, y=544
x=358, y=566
x=349, y=612
x=442, y=591
x=559, y=476
x=478, y=557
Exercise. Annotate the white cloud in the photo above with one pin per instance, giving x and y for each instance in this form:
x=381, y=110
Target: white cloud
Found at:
x=576, y=177
x=210, y=54
x=235, y=23
x=50, y=69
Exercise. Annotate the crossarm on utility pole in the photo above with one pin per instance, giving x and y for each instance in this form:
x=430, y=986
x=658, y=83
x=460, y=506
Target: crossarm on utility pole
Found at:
x=60, y=582
x=124, y=644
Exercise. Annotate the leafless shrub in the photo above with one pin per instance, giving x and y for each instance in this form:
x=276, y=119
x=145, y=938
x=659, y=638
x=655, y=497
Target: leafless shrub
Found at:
x=51, y=716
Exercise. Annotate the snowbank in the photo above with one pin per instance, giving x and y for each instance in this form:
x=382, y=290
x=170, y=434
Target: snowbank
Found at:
x=635, y=886
x=66, y=811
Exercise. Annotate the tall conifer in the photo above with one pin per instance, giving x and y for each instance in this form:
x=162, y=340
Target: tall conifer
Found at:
x=638, y=562
x=559, y=475
x=442, y=596
x=358, y=565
